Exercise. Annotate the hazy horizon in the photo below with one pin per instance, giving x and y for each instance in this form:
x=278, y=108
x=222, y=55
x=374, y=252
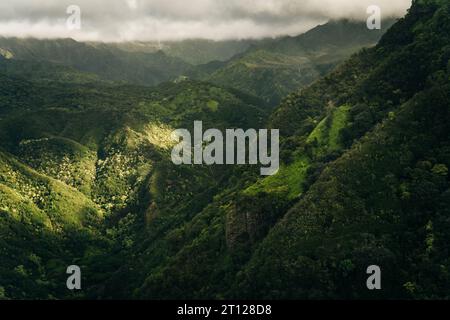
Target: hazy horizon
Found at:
x=155, y=41
x=157, y=20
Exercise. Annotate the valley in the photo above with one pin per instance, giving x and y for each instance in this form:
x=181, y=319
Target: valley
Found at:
x=87, y=177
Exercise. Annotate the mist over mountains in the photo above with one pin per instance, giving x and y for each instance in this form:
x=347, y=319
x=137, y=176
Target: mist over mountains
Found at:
x=268, y=68
x=158, y=20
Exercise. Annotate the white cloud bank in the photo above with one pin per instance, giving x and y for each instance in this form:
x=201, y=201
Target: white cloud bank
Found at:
x=145, y=20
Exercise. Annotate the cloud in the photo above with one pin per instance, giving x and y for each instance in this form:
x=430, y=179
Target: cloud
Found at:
x=125, y=20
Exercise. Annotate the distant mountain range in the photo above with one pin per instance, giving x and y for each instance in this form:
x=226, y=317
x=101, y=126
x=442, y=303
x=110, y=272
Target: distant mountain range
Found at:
x=195, y=52
x=108, y=62
x=268, y=68
x=274, y=68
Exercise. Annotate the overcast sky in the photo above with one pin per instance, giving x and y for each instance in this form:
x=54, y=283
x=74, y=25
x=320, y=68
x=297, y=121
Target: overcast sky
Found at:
x=125, y=20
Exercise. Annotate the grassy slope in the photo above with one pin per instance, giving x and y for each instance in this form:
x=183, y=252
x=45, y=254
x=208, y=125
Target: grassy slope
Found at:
x=368, y=207
x=326, y=134
x=291, y=177
x=64, y=205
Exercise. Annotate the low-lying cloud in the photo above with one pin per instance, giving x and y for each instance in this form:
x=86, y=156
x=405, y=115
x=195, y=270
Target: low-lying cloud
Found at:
x=145, y=20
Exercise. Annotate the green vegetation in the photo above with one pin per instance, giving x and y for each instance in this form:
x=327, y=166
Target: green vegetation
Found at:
x=274, y=68
x=289, y=180
x=326, y=136
x=107, y=61
x=195, y=52
x=86, y=161
x=380, y=202
x=86, y=176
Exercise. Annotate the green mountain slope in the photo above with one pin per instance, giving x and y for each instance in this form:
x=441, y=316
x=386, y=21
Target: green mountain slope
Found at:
x=91, y=153
x=274, y=68
x=376, y=192
x=384, y=201
x=108, y=62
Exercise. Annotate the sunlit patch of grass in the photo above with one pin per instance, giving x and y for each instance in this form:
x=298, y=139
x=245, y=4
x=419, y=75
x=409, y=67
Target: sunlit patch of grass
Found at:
x=288, y=180
x=62, y=204
x=213, y=105
x=159, y=135
x=326, y=134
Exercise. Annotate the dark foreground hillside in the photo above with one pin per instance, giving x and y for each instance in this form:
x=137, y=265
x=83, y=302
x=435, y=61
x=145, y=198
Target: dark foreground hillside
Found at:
x=364, y=182
x=383, y=201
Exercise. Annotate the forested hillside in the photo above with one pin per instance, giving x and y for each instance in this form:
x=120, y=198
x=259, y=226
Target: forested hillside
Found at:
x=275, y=67
x=108, y=62
x=384, y=201
x=364, y=181
x=79, y=156
x=86, y=176
x=195, y=52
